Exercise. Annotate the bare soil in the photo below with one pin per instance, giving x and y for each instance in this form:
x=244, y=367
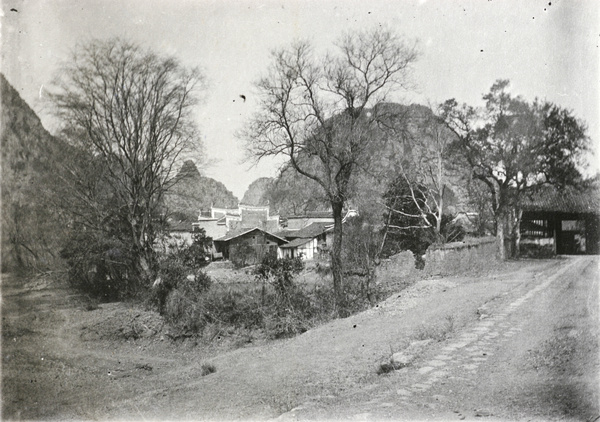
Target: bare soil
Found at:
x=520, y=343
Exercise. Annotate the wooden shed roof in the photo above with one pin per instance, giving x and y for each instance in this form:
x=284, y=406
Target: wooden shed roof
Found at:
x=566, y=200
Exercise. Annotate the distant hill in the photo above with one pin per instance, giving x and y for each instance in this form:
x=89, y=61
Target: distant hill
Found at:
x=258, y=192
x=290, y=193
x=193, y=192
x=32, y=226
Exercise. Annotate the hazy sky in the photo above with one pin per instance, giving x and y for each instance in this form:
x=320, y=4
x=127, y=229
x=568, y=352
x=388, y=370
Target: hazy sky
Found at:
x=547, y=49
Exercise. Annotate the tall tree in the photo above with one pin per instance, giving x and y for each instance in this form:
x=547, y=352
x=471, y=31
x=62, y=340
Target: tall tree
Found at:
x=319, y=113
x=514, y=147
x=425, y=172
x=130, y=111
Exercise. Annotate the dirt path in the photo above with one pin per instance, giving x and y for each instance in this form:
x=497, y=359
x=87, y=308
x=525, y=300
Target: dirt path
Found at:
x=520, y=344
x=534, y=356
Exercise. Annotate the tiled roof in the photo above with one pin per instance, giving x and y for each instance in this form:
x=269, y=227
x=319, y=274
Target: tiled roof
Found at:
x=313, y=214
x=567, y=200
x=237, y=233
x=308, y=232
x=295, y=243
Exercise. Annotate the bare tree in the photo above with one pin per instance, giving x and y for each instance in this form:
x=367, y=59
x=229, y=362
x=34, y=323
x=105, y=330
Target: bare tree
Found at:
x=129, y=111
x=426, y=170
x=320, y=113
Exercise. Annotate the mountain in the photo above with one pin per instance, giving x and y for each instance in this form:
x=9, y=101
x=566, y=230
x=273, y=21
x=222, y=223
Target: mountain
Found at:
x=32, y=226
x=193, y=192
x=258, y=191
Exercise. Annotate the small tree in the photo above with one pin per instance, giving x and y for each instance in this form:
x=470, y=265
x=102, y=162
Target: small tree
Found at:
x=182, y=269
x=319, y=113
x=411, y=224
x=129, y=111
x=514, y=147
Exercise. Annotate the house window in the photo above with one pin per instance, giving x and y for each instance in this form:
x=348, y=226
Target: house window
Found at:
x=571, y=225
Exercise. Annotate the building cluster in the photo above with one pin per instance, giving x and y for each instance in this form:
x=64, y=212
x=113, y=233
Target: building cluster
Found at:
x=247, y=233
x=553, y=223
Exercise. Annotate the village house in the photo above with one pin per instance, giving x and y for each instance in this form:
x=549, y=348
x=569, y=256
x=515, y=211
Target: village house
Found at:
x=310, y=235
x=247, y=233
x=307, y=242
x=248, y=246
x=242, y=217
x=297, y=222
x=220, y=223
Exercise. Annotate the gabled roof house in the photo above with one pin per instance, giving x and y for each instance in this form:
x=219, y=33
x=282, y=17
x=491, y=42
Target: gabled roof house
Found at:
x=250, y=245
x=307, y=242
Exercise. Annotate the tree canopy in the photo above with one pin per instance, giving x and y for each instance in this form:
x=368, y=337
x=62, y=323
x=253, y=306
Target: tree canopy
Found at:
x=514, y=147
x=129, y=111
x=319, y=112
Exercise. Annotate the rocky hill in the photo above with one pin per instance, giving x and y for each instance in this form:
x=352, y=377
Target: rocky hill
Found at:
x=193, y=192
x=32, y=224
x=258, y=191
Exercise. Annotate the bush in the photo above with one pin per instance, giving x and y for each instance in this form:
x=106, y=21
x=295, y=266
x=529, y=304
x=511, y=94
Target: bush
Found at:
x=242, y=254
x=181, y=284
x=289, y=310
x=183, y=306
x=100, y=266
x=276, y=307
x=279, y=272
x=357, y=297
x=238, y=308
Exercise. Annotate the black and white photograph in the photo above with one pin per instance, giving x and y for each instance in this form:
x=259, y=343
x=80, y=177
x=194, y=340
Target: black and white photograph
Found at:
x=300, y=210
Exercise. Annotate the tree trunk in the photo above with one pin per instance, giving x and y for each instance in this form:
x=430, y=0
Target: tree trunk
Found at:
x=500, y=224
x=517, y=233
x=336, y=255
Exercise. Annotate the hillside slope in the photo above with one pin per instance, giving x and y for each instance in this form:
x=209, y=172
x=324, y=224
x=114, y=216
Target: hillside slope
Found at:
x=32, y=226
x=259, y=191
x=193, y=192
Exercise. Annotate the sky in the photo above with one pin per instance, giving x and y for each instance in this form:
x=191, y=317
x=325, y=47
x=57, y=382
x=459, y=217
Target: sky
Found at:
x=547, y=49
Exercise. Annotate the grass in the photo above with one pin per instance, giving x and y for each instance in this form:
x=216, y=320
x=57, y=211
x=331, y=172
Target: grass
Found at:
x=438, y=332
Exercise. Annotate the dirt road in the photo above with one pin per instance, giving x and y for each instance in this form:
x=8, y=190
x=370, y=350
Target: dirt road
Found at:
x=518, y=344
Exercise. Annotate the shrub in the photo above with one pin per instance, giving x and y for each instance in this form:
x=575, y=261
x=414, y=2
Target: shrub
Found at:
x=242, y=254
x=100, y=266
x=181, y=284
x=184, y=304
x=280, y=273
x=239, y=308
x=355, y=296
x=290, y=309
x=277, y=307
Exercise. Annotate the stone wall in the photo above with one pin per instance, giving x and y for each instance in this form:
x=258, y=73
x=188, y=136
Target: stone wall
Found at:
x=399, y=266
x=449, y=259
x=459, y=257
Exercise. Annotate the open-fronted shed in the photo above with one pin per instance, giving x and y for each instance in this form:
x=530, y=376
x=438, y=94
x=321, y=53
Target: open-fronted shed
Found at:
x=565, y=221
